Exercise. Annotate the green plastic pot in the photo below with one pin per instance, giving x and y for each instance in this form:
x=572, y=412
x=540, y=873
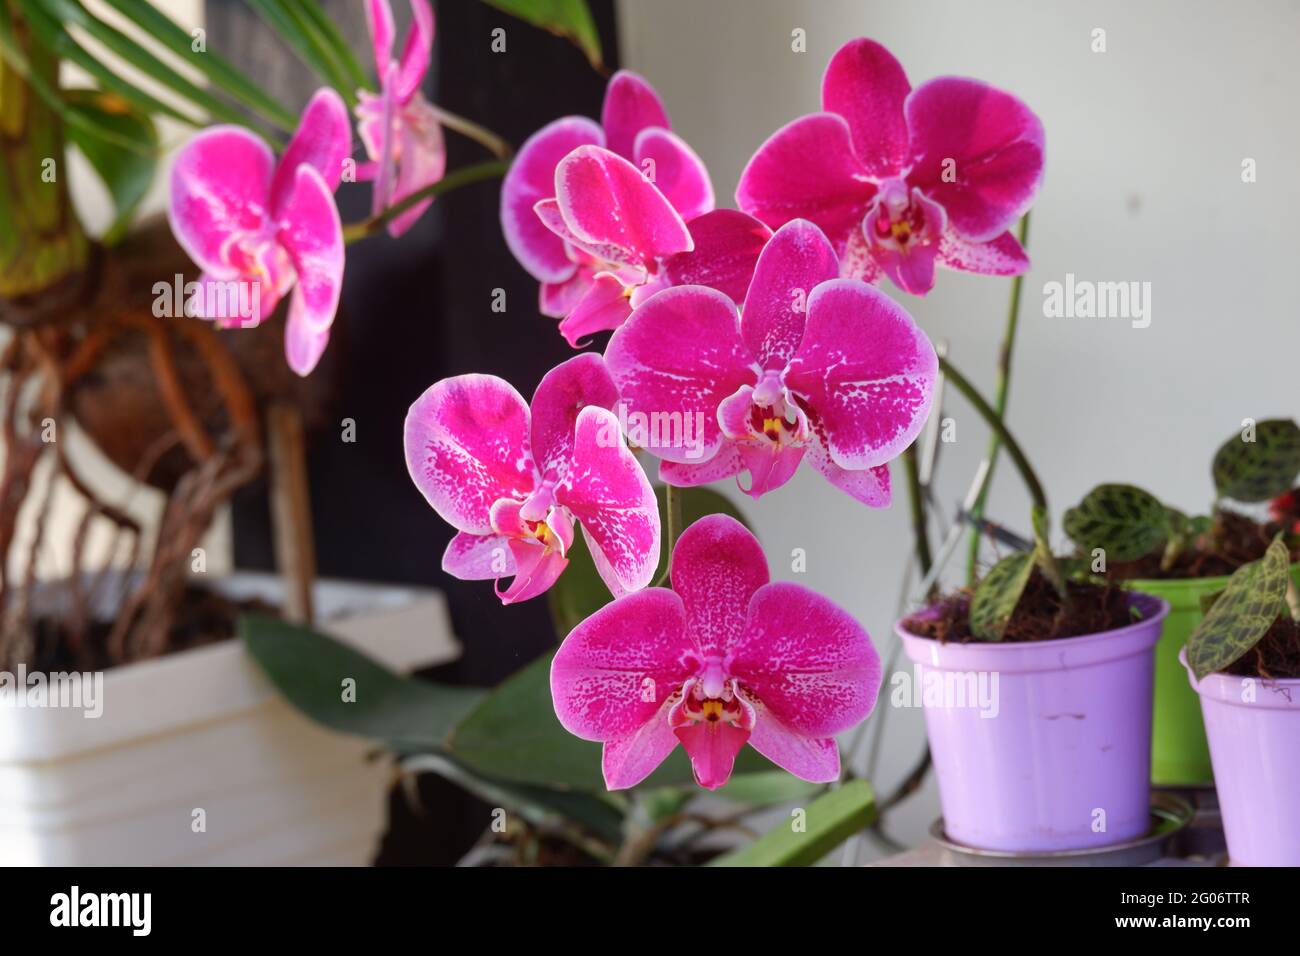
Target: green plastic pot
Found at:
x=1180, y=757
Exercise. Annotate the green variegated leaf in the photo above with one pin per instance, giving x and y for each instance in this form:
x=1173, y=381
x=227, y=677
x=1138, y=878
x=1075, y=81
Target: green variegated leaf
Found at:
x=1247, y=608
x=997, y=595
x=1262, y=468
x=1122, y=520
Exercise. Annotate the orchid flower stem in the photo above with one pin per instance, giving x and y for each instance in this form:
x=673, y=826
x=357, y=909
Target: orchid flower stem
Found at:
x=491, y=169
x=673, y=505
x=916, y=500
x=489, y=140
x=1000, y=396
x=994, y=421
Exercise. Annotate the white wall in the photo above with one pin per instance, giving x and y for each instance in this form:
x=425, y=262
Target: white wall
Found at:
x=1143, y=182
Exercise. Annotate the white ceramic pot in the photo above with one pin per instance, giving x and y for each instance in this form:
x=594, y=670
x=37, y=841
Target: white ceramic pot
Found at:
x=204, y=730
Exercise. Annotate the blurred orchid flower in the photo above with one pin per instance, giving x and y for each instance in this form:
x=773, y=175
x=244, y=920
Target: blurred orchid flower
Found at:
x=722, y=659
x=814, y=365
x=634, y=127
x=244, y=218
x=902, y=179
x=513, y=481
x=399, y=127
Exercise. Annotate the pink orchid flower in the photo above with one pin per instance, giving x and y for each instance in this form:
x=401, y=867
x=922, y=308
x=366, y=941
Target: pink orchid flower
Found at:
x=635, y=127
x=513, y=481
x=244, y=218
x=630, y=242
x=814, y=365
x=902, y=179
x=399, y=127
x=722, y=659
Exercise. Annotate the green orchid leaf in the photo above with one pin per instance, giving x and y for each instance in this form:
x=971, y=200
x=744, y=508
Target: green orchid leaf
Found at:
x=998, y=594
x=1259, y=463
x=570, y=19
x=125, y=160
x=811, y=832
x=310, y=669
x=1247, y=608
x=1122, y=520
x=302, y=34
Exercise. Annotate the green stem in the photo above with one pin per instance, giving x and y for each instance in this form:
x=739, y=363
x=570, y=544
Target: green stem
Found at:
x=489, y=140
x=994, y=421
x=673, y=505
x=1000, y=395
x=492, y=169
x=916, y=501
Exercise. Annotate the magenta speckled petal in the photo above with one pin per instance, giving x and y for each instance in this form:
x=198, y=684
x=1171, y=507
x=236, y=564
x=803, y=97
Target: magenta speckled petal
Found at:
x=531, y=178
x=815, y=759
x=466, y=442
x=478, y=557
x=995, y=143
x=866, y=370
x=607, y=492
x=796, y=260
x=561, y=395
x=807, y=170
x=810, y=663
x=606, y=201
x=322, y=141
x=727, y=246
x=617, y=668
x=678, y=173
x=868, y=485
x=681, y=353
x=717, y=567
x=1001, y=256
x=631, y=105
x=867, y=86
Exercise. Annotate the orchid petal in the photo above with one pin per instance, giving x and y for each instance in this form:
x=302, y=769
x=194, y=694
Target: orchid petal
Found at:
x=770, y=465
x=423, y=161
x=478, y=557
x=807, y=169
x=815, y=759
x=1001, y=256
x=712, y=748
x=531, y=178
x=630, y=106
x=810, y=663
x=220, y=183
x=615, y=670
x=606, y=200
x=626, y=761
x=537, y=567
x=304, y=344
x=716, y=568
x=466, y=443
x=866, y=85
x=379, y=18
x=417, y=52
x=312, y=235
x=605, y=256
x=680, y=353
x=561, y=396
x=558, y=299
x=678, y=172
x=607, y=491
x=605, y=306
x=866, y=370
x=724, y=464
x=727, y=245
x=868, y=485
x=322, y=141
x=992, y=142
x=796, y=260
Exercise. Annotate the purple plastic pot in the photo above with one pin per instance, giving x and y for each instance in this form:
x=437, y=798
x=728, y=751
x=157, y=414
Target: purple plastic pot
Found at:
x=1062, y=758
x=1253, y=726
